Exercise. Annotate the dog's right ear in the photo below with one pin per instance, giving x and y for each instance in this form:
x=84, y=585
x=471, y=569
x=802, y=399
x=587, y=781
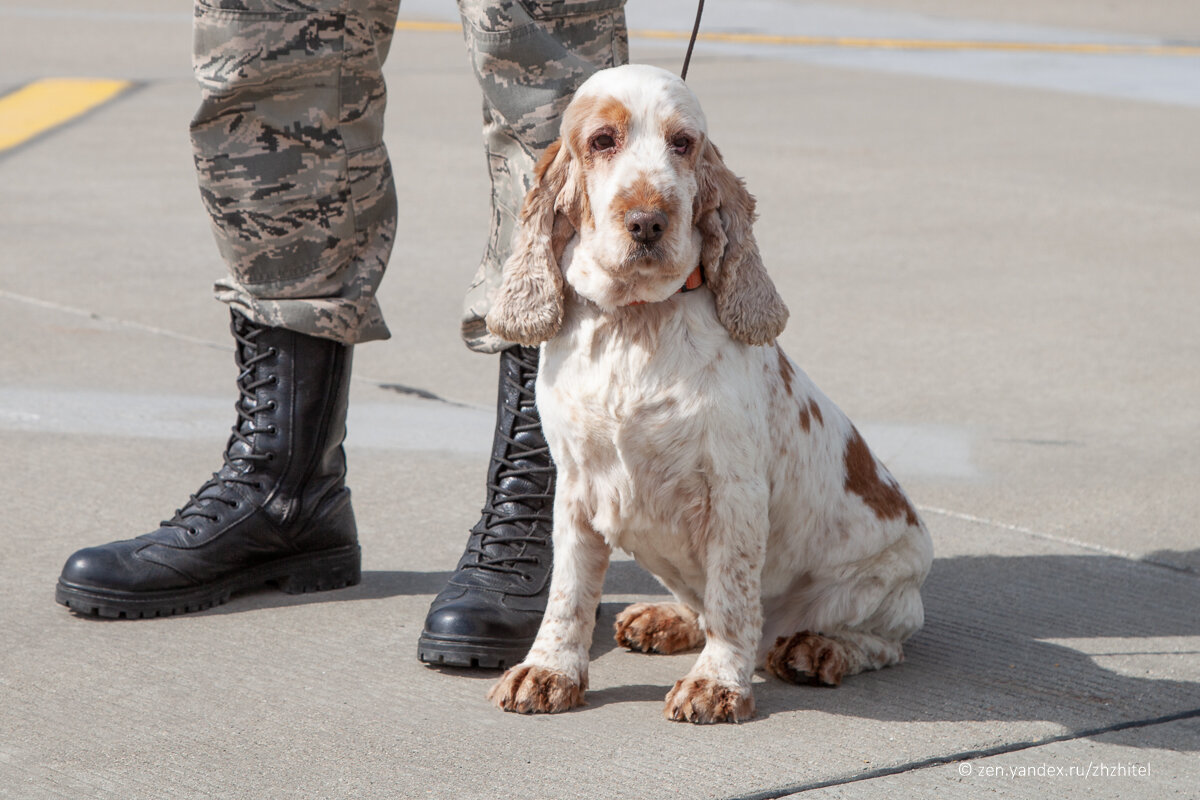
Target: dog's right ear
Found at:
x=528, y=306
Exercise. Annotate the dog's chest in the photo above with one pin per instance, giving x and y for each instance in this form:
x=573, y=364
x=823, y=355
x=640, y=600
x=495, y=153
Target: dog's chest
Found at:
x=624, y=444
x=635, y=433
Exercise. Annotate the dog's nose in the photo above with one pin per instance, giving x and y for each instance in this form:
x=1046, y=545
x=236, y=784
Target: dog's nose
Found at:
x=646, y=227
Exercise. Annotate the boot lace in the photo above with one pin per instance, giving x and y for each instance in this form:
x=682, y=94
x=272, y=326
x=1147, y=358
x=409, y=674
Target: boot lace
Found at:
x=239, y=466
x=502, y=551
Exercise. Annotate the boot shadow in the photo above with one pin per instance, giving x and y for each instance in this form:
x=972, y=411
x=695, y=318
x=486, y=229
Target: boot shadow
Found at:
x=375, y=585
x=624, y=577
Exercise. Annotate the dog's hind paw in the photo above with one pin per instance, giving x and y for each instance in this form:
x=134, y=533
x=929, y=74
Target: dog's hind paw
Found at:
x=658, y=628
x=536, y=690
x=808, y=657
x=704, y=701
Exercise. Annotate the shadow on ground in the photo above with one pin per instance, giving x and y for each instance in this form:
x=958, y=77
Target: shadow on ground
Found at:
x=984, y=653
x=987, y=652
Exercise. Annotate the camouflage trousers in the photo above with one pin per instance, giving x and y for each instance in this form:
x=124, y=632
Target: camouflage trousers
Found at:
x=289, y=151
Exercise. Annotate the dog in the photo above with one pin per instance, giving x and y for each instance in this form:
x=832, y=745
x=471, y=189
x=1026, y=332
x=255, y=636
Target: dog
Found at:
x=681, y=432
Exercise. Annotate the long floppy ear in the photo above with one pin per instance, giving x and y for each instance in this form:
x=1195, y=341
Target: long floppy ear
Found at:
x=747, y=303
x=528, y=306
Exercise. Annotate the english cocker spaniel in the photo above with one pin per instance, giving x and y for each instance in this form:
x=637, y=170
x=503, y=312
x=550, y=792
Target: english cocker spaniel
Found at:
x=682, y=433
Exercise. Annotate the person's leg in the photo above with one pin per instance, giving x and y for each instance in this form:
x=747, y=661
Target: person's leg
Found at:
x=290, y=159
x=291, y=165
x=529, y=56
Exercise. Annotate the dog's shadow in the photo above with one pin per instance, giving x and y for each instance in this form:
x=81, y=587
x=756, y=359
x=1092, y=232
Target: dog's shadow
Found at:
x=1027, y=638
x=1055, y=638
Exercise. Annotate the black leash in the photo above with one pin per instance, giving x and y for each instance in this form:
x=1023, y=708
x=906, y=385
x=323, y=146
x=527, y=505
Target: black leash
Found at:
x=687, y=59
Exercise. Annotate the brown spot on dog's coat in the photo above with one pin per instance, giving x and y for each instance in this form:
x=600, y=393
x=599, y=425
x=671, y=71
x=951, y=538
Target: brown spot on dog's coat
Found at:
x=881, y=494
x=816, y=411
x=641, y=195
x=807, y=657
x=613, y=112
x=787, y=373
x=809, y=410
x=592, y=115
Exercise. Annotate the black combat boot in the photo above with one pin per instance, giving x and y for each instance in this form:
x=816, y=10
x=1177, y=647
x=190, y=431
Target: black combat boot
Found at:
x=489, y=612
x=278, y=511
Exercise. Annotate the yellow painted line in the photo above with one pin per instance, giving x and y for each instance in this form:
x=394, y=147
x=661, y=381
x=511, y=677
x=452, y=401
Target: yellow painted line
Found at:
x=1085, y=48
x=440, y=27
x=43, y=105
x=877, y=43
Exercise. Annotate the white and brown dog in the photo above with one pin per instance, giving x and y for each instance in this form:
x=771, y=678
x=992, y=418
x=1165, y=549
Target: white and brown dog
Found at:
x=682, y=433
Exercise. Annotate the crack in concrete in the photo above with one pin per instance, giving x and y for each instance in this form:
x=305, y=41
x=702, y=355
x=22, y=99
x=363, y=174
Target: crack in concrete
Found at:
x=965, y=755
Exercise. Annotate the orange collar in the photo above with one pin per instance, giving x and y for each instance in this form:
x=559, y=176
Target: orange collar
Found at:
x=694, y=281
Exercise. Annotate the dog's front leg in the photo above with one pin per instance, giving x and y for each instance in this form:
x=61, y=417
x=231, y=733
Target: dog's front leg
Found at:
x=553, y=676
x=717, y=689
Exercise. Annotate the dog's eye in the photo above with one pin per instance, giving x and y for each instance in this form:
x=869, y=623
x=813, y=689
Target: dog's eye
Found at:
x=681, y=144
x=602, y=142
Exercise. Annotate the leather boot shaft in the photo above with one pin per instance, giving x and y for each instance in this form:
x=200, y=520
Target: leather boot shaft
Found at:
x=513, y=532
x=285, y=455
x=277, y=511
x=489, y=611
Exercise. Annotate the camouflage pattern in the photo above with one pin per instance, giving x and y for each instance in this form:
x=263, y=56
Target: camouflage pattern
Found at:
x=289, y=147
x=529, y=56
x=290, y=159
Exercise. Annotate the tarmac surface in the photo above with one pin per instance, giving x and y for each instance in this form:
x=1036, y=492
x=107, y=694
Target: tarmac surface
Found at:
x=990, y=258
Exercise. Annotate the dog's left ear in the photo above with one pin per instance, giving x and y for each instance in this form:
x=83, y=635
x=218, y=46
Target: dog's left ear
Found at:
x=747, y=303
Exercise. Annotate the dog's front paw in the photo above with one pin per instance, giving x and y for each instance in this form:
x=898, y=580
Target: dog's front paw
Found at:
x=808, y=657
x=704, y=700
x=658, y=628
x=536, y=690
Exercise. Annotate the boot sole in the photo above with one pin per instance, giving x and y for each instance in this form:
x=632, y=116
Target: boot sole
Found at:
x=470, y=653
x=310, y=572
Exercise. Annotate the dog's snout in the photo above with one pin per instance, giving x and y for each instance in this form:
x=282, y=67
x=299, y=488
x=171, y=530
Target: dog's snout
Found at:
x=646, y=227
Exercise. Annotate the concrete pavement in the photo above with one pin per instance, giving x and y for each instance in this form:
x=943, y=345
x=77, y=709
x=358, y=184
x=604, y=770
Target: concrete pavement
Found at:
x=995, y=278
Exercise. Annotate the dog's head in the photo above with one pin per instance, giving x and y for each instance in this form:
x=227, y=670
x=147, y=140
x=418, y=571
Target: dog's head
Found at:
x=643, y=197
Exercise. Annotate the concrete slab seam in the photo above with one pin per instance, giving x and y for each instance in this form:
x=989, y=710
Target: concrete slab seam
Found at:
x=50, y=305
x=108, y=320
x=967, y=755
x=425, y=394
x=1097, y=548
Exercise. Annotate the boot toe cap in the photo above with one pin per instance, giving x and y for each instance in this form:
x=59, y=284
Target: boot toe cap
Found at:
x=477, y=619
x=117, y=566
